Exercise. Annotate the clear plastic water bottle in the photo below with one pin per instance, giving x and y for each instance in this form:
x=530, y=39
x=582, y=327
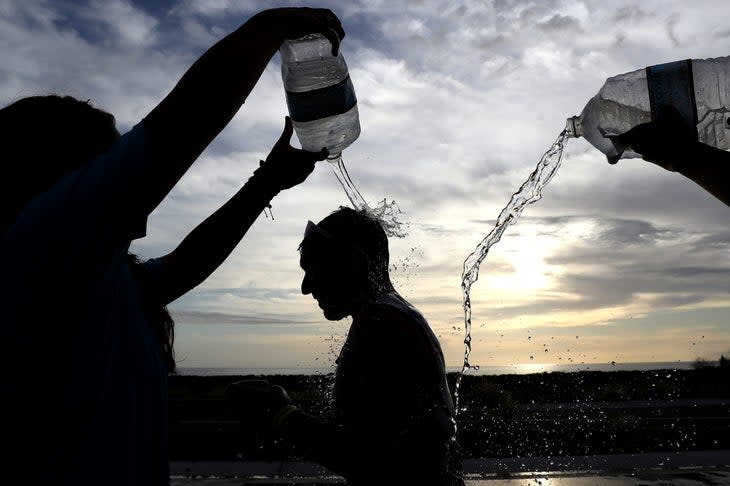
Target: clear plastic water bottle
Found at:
x=319, y=94
x=699, y=89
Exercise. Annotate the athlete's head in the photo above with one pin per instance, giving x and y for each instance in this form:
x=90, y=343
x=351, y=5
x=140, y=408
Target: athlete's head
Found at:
x=345, y=261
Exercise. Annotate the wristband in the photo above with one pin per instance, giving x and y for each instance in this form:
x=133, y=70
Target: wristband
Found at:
x=281, y=416
x=265, y=184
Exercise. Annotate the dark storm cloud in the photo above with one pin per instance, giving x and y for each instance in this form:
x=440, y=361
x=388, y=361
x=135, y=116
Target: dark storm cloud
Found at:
x=436, y=229
x=691, y=273
x=628, y=280
x=249, y=292
x=667, y=196
x=613, y=277
x=669, y=301
x=713, y=242
x=592, y=290
x=560, y=23
x=610, y=231
x=491, y=42
x=156, y=8
x=670, y=25
x=631, y=14
x=630, y=232
x=510, y=22
x=666, y=250
x=522, y=8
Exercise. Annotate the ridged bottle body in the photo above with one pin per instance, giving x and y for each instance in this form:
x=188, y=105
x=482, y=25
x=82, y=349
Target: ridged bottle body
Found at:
x=319, y=94
x=699, y=89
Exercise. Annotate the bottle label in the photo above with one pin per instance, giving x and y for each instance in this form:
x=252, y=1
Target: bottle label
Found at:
x=321, y=103
x=672, y=85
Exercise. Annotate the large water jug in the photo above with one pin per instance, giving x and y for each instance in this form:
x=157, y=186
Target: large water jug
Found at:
x=699, y=89
x=319, y=95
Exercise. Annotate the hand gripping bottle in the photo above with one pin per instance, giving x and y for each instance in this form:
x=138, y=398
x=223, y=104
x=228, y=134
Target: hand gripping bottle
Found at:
x=699, y=89
x=319, y=95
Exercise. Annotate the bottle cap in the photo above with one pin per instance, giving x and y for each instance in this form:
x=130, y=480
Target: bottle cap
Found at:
x=571, y=126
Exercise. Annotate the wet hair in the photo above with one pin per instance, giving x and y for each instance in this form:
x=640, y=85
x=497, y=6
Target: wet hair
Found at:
x=41, y=139
x=365, y=233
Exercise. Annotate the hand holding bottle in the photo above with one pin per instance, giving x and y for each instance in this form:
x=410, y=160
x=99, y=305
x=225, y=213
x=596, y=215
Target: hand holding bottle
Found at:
x=667, y=142
x=294, y=23
x=286, y=166
x=698, y=89
x=671, y=144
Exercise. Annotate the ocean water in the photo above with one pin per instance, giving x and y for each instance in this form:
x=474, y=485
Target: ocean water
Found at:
x=515, y=369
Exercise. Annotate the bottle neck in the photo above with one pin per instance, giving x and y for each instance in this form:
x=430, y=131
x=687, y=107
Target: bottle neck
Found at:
x=572, y=127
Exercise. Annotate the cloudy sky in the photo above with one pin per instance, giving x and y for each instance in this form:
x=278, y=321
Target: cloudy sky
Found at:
x=458, y=100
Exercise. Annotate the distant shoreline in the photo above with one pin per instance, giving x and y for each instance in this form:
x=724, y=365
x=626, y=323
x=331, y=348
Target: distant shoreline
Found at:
x=487, y=370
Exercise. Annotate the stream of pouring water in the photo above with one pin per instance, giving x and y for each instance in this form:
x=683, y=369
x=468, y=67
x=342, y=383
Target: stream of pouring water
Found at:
x=386, y=212
x=529, y=192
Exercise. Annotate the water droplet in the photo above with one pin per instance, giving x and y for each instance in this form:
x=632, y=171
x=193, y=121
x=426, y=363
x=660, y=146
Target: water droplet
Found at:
x=385, y=212
x=532, y=357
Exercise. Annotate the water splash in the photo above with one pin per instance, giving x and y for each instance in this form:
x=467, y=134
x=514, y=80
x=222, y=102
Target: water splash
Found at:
x=385, y=212
x=529, y=192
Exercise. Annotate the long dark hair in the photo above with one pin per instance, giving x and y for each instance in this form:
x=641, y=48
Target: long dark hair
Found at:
x=158, y=316
x=45, y=137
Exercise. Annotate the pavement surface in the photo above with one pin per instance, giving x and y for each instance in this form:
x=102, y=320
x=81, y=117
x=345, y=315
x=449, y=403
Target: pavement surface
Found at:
x=696, y=468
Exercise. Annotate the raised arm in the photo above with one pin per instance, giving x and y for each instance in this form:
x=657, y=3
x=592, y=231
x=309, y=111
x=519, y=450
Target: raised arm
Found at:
x=669, y=144
x=710, y=168
x=210, y=243
x=214, y=88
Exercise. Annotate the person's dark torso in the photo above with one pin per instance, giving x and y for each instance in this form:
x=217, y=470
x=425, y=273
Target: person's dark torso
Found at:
x=414, y=428
x=87, y=394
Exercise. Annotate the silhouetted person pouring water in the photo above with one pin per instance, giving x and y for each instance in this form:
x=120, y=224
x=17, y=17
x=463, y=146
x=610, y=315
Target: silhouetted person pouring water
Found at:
x=393, y=421
x=87, y=340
